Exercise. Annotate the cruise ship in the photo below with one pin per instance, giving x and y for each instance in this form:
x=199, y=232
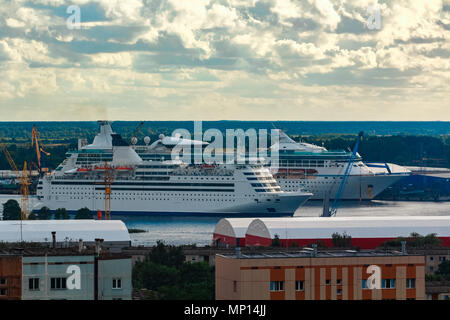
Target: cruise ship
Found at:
x=160, y=186
x=304, y=166
x=320, y=171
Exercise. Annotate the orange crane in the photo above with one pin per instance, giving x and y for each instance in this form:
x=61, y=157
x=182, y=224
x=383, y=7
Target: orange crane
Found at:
x=35, y=137
x=109, y=176
x=23, y=181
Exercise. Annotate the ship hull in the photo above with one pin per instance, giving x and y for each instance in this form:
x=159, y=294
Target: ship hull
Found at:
x=356, y=188
x=134, y=202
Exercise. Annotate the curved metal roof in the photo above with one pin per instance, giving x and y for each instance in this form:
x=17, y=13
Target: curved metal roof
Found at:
x=232, y=227
x=66, y=230
x=357, y=227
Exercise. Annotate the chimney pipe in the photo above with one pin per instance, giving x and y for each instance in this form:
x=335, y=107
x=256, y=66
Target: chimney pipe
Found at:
x=80, y=245
x=54, y=239
x=98, y=246
x=238, y=249
x=314, y=246
x=403, y=247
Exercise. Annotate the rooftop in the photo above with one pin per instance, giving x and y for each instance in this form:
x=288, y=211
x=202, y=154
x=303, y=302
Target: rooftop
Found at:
x=308, y=253
x=70, y=251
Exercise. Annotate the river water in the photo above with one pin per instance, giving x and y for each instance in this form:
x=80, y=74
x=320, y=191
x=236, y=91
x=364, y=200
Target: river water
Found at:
x=199, y=230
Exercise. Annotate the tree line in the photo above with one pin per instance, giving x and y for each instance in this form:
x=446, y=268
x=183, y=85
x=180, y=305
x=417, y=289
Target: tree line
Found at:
x=12, y=211
x=166, y=276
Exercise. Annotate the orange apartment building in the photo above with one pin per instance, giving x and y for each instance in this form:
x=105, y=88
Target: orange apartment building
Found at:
x=10, y=277
x=318, y=276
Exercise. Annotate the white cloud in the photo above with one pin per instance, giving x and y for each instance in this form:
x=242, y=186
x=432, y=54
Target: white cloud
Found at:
x=277, y=59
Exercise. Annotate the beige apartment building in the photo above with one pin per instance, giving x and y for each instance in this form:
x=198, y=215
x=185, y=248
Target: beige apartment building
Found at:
x=315, y=275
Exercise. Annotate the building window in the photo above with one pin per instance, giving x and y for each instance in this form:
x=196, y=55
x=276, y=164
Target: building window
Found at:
x=388, y=283
x=410, y=283
x=235, y=286
x=2, y=281
x=299, y=285
x=339, y=281
x=339, y=292
x=2, y=292
x=276, y=285
x=33, y=283
x=58, y=283
x=328, y=281
x=117, y=283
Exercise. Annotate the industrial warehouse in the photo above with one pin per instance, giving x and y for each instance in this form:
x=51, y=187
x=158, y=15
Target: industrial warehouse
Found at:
x=365, y=232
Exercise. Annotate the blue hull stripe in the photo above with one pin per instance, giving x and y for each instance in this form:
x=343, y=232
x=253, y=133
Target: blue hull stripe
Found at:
x=192, y=214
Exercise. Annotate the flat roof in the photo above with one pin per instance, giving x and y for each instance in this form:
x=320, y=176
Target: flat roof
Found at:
x=308, y=253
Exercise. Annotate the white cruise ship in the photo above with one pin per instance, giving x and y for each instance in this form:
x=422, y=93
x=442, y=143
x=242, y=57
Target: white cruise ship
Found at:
x=161, y=186
x=320, y=171
x=304, y=166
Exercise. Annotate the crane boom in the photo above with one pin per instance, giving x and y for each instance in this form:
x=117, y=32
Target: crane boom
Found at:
x=9, y=158
x=137, y=131
x=35, y=137
x=334, y=207
x=23, y=181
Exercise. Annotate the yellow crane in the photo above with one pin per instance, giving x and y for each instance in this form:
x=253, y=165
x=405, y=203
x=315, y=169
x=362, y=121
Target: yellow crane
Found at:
x=35, y=138
x=23, y=181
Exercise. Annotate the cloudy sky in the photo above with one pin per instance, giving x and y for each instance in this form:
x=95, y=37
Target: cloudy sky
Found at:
x=225, y=59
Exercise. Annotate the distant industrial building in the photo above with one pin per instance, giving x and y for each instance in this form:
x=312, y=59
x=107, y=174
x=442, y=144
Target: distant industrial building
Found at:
x=46, y=274
x=114, y=232
x=312, y=275
x=365, y=232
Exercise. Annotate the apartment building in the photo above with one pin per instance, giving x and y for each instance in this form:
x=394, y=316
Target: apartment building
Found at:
x=312, y=275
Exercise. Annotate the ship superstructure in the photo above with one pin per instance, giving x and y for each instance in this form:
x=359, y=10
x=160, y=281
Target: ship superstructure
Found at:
x=305, y=166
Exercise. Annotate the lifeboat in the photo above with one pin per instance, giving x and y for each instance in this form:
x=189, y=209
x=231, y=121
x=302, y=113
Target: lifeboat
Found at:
x=297, y=171
x=122, y=168
x=83, y=170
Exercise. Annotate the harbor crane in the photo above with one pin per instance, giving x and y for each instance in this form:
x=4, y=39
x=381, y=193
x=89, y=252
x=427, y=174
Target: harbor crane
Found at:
x=109, y=177
x=35, y=138
x=133, y=139
x=23, y=181
x=329, y=212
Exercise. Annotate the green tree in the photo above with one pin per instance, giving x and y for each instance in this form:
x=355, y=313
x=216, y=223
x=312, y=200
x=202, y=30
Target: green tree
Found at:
x=343, y=241
x=167, y=255
x=61, y=214
x=32, y=216
x=444, y=270
x=164, y=272
x=84, y=213
x=11, y=210
x=44, y=214
x=276, y=241
x=149, y=275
